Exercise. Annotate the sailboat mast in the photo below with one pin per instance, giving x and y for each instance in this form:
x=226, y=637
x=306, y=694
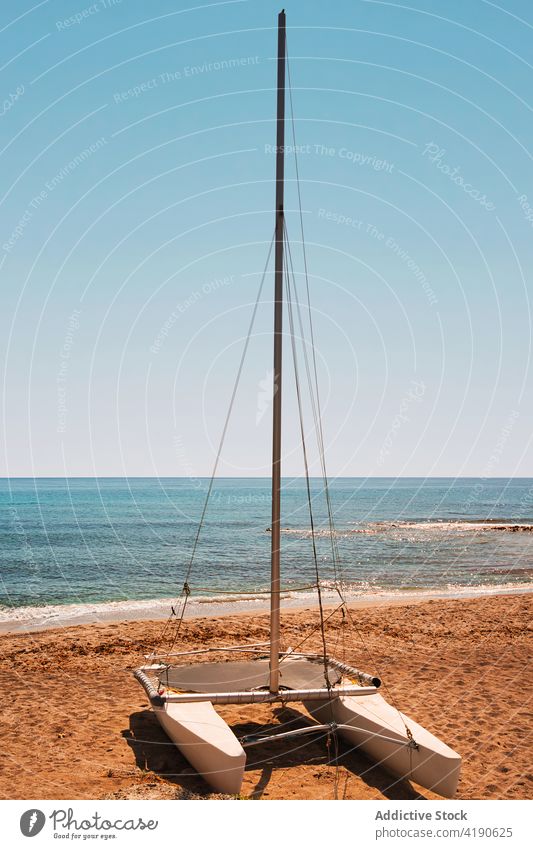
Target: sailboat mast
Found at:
x=276, y=407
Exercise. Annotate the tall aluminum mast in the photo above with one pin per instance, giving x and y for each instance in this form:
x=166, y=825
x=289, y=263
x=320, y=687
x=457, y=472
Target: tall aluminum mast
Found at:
x=276, y=409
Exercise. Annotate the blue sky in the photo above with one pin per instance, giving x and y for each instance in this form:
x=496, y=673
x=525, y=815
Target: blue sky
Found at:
x=136, y=214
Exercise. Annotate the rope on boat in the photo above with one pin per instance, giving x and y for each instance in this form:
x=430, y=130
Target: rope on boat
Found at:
x=186, y=591
x=314, y=392
x=331, y=737
x=316, y=408
x=254, y=592
x=306, y=463
x=313, y=631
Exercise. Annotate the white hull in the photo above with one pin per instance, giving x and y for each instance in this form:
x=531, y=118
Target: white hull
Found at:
x=432, y=764
x=206, y=742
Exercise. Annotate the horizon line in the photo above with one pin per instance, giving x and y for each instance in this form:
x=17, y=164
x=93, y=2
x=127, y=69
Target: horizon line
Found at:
x=265, y=477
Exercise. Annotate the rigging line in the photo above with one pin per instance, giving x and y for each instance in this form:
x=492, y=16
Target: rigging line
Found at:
x=317, y=414
x=306, y=467
x=304, y=348
x=304, y=254
x=317, y=422
x=255, y=592
x=186, y=591
x=320, y=440
x=320, y=434
x=310, y=634
x=333, y=736
x=384, y=684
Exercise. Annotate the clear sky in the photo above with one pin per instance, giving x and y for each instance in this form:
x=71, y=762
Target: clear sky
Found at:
x=136, y=213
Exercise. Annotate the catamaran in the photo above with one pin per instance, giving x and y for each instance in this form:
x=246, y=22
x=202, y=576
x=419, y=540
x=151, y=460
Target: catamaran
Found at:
x=339, y=698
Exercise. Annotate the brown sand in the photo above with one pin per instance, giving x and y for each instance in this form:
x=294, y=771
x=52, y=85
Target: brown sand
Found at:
x=76, y=725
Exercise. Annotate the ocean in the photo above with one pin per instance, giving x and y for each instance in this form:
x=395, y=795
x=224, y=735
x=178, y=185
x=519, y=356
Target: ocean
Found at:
x=82, y=548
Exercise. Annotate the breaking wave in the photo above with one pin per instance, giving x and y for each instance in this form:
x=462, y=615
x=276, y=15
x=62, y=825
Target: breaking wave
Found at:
x=421, y=526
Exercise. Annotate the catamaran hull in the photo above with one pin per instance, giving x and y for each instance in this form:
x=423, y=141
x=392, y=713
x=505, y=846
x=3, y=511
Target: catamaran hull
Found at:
x=206, y=742
x=373, y=726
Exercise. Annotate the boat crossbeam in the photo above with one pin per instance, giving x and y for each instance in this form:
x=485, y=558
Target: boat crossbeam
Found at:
x=257, y=739
x=328, y=728
x=251, y=697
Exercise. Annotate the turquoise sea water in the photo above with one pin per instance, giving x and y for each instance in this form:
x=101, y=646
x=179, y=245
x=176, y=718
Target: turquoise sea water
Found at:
x=86, y=542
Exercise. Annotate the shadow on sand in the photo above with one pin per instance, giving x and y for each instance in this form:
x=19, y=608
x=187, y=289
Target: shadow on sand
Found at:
x=154, y=752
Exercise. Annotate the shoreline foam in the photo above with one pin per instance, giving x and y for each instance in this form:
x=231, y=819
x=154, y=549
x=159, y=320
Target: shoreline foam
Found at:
x=33, y=619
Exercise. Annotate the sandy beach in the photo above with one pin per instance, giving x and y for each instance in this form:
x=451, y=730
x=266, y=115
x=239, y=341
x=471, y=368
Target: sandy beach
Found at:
x=76, y=725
